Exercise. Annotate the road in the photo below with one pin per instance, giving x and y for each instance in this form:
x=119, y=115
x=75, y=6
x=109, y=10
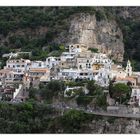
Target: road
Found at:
x=96, y=112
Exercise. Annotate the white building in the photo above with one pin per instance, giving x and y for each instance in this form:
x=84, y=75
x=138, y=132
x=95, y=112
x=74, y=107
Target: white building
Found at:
x=67, y=56
x=129, y=68
x=52, y=61
x=38, y=64
x=101, y=58
x=78, y=48
x=85, y=74
x=70, y=91
x=18, y=65
x=6, y=76
x=18, y=68
x=15, y=55
x=84, y=63
x=135, y=95
x=73, y=74
x=10, y=55
x=68, y=74
x=102, y=78
x=39, y=73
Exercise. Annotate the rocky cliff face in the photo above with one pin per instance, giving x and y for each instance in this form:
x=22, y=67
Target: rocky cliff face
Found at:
x=55, y=25
x=114, y=126
x=104, y=35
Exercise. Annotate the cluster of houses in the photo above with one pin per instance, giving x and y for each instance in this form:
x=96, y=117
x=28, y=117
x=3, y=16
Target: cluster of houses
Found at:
x=9, y=92
x=78, y=62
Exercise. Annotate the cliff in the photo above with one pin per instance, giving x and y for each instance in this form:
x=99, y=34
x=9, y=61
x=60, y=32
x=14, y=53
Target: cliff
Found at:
x=104, y=35
x=114, y=31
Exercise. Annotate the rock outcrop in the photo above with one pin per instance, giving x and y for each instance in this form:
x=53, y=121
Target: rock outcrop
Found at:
x=104, y=35
x=54, y=27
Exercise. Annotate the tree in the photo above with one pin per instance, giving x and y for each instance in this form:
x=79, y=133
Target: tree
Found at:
x=28, y=117
x=18, y=43
x=94, y=50
x=72, y=120
x=111, y=87
x=121, y=92
x=100, y=15
x=101, y=101
x=47, y=92
x=91, y=86
x=55, y=86
x=32, y=92
x=62, y=48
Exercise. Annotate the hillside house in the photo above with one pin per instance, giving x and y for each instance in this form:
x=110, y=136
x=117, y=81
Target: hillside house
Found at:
x=9, y=76
x=135, y=96
x=18, y=65
x=38, y=64
x=78, y=48
x=84, y=63
x=52, y=62
x=37, y=73
x=68, y=74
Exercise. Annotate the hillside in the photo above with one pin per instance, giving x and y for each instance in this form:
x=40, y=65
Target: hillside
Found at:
x=113, y=30
x=32, y=118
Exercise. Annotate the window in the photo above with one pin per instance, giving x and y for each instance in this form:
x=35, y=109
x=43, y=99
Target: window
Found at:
x=89, y=66
x=135, y=92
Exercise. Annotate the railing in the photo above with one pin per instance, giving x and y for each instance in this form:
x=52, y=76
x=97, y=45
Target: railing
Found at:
x=98, y=112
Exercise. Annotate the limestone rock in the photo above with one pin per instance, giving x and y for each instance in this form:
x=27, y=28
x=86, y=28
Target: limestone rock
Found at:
x=104, y=35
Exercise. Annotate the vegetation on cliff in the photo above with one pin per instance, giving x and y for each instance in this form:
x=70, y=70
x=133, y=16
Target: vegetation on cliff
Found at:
x=34, y=28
